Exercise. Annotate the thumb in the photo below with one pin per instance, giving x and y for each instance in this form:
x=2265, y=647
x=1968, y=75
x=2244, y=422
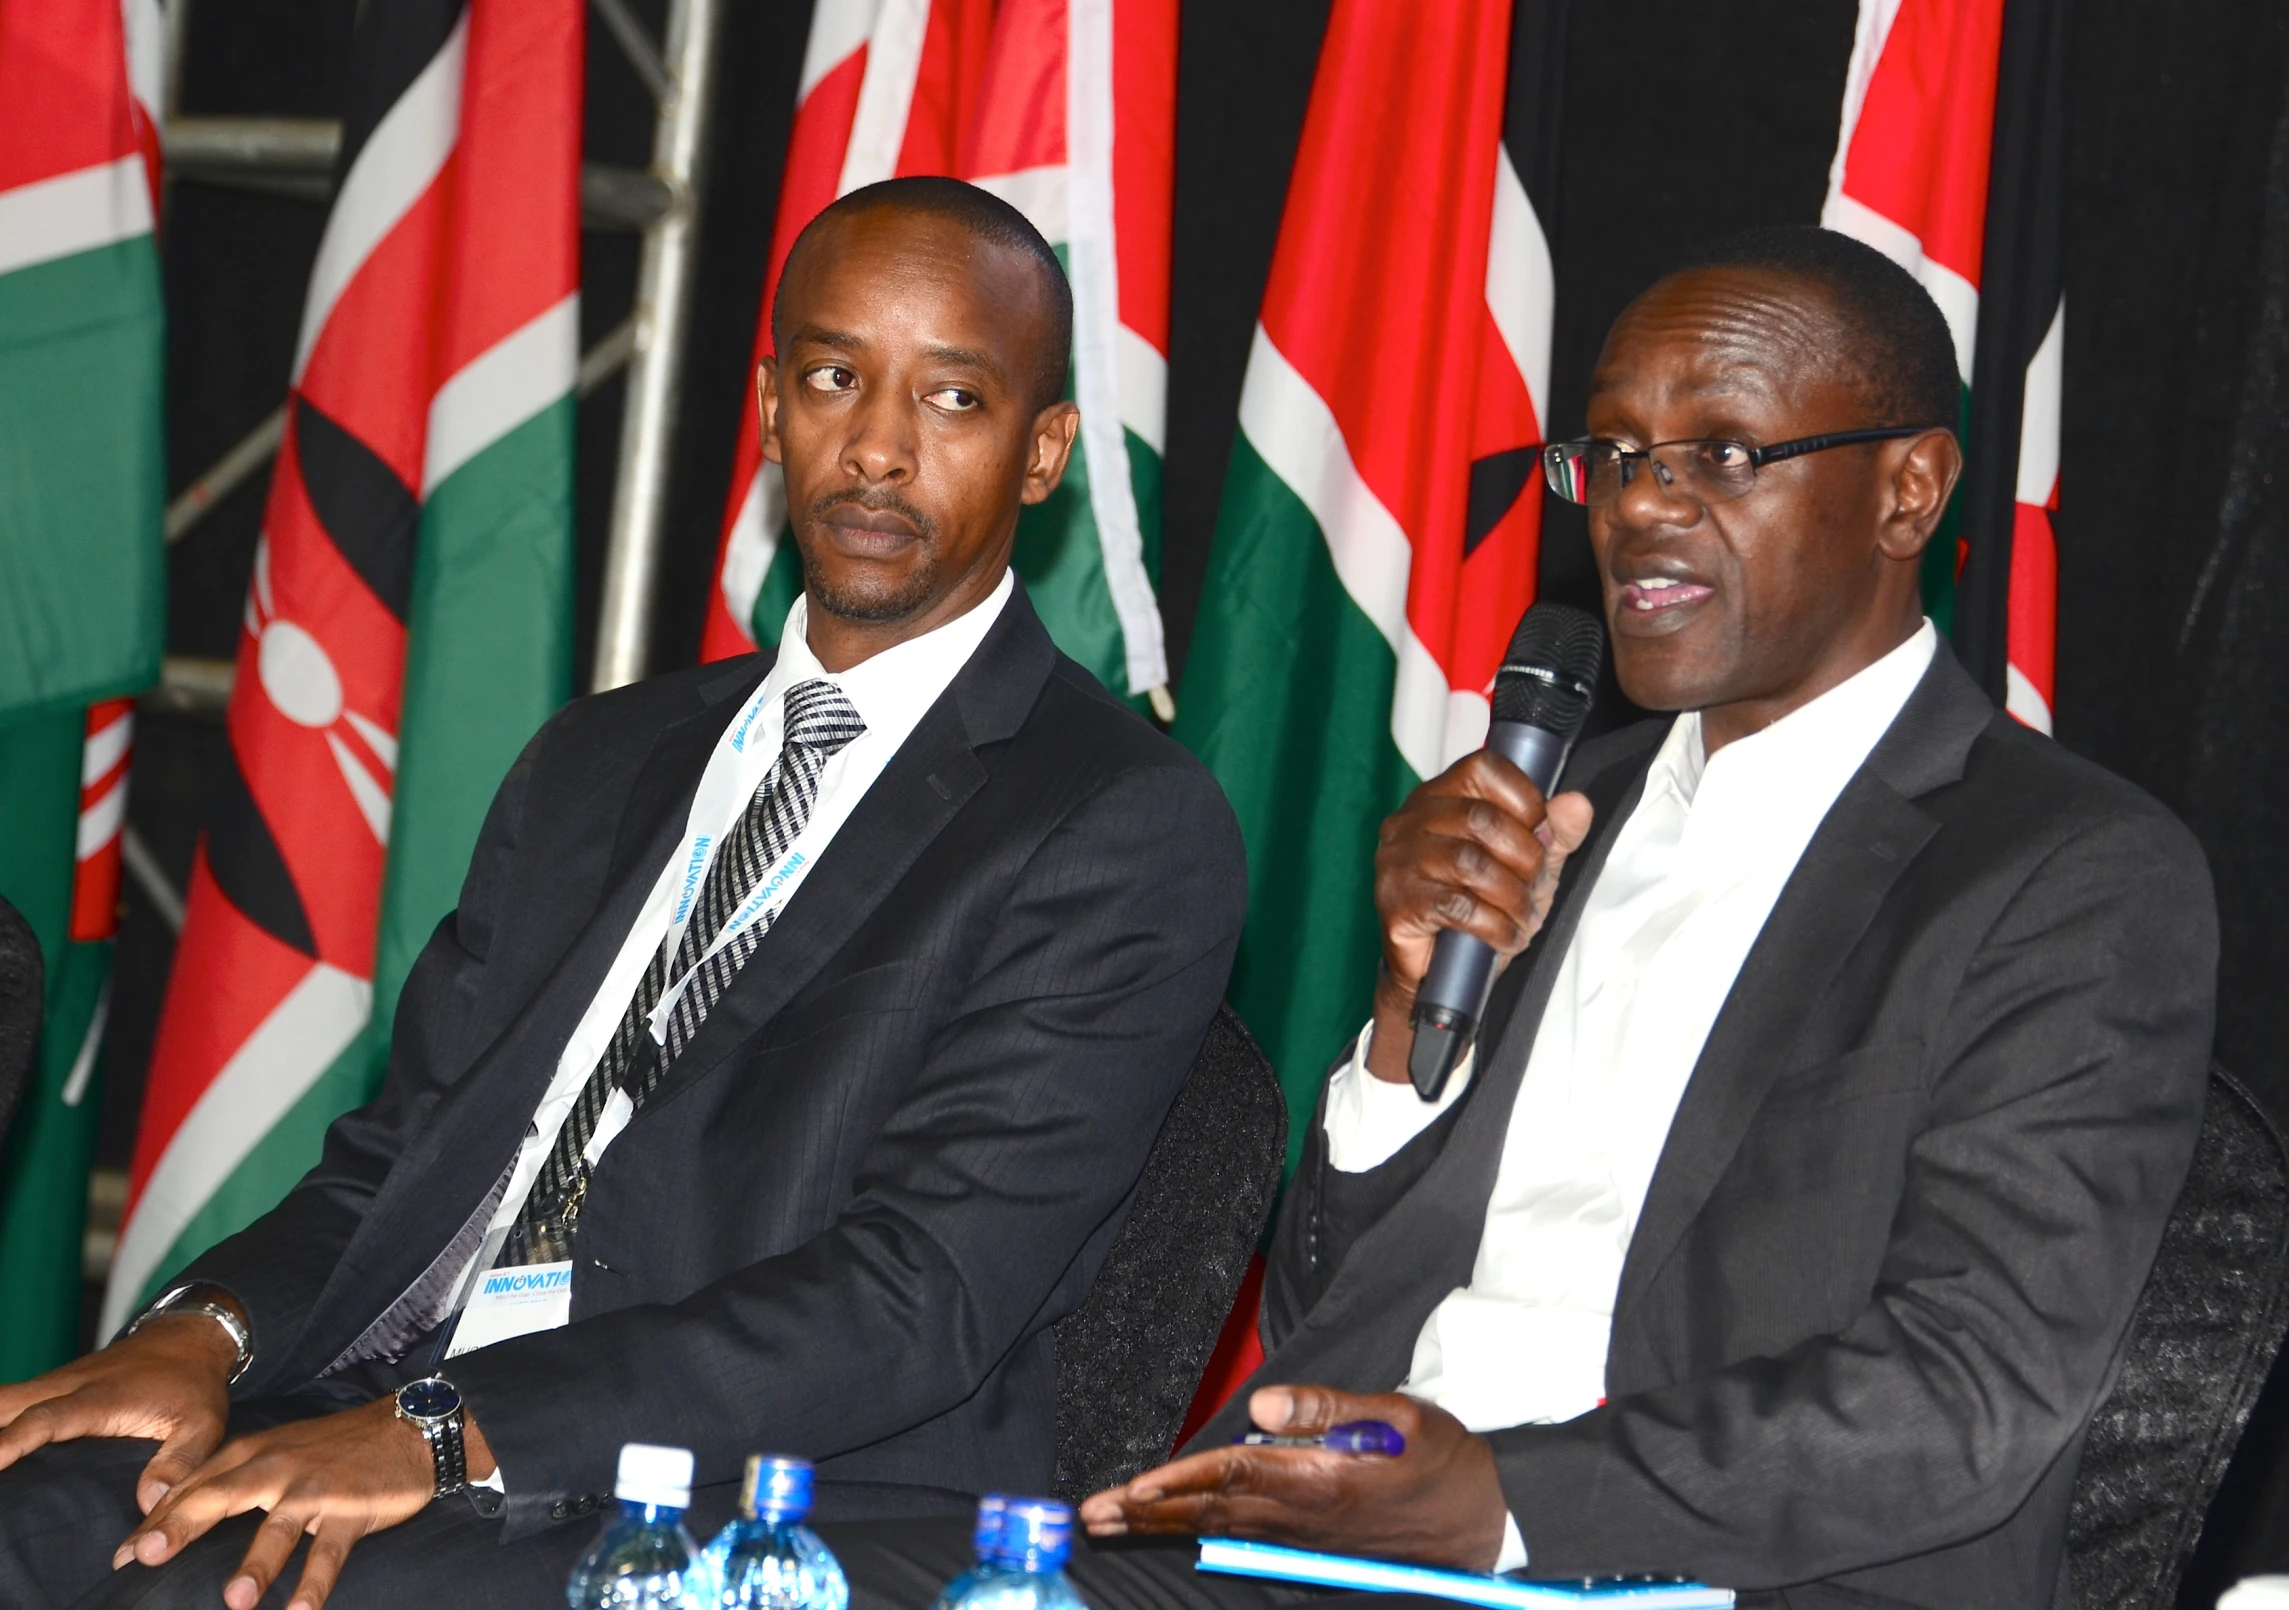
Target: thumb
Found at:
x=181, y=1454
x=1568, y=820
x=1299, y=1411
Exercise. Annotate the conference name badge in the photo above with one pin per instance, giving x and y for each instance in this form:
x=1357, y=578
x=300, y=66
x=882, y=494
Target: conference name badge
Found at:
x=516, y=1301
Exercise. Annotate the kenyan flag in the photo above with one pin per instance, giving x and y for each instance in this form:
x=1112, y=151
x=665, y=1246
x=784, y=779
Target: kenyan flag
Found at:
x=82, y=573
x=886, y=91
x=1950, y=160
x=1066, y=109
x=1382, y=511
x=1077, y=129
x=408, y=624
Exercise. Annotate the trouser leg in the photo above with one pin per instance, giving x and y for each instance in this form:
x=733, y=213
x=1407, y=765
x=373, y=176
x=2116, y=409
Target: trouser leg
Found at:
x=63, y=1510
x=449, y=1557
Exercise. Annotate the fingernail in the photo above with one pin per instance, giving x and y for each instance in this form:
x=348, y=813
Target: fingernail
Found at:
x=151, y=1548
x=122, y=1557
x=1147, y=1495
x=240, y=1594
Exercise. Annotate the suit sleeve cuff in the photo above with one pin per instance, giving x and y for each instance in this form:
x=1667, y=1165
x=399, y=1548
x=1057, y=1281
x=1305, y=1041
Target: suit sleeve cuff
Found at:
x=1513, y=1555
x=1369, y=1119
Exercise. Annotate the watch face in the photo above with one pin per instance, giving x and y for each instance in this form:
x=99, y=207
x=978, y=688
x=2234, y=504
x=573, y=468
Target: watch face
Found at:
x=432, y=1399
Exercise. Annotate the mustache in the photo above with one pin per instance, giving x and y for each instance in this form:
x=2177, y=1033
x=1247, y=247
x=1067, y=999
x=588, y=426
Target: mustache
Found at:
x=877, y=502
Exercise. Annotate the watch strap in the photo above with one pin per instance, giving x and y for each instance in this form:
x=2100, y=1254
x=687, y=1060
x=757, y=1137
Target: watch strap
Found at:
x=189, y=1300
x=449, y=1452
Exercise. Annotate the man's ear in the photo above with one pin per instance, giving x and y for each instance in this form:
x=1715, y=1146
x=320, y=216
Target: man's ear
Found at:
x=1924, y=471
x=767, y=406
x=1054, y=429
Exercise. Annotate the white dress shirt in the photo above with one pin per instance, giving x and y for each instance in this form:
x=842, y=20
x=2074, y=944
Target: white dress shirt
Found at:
x=892, y=691
x=1684, y=893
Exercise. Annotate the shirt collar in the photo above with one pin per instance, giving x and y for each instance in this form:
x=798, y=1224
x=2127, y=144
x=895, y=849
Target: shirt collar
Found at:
x=1813, y=750
x=894, y=689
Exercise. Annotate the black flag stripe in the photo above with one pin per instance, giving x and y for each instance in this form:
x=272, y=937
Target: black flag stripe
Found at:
x=2022, y=273
x=370, y=514
x=244, y=857
x=393, y=42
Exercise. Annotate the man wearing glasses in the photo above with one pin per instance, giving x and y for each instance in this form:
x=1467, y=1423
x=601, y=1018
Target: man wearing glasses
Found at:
x=1787, y=1229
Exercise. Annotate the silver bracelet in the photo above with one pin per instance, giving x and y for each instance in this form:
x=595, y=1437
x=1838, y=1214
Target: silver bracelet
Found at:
x=179, y=1301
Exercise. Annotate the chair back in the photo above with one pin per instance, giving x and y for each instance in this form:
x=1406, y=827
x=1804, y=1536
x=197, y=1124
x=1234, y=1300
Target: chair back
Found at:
x=22, y=983
x=2201, y=1341
x=1130, y=1356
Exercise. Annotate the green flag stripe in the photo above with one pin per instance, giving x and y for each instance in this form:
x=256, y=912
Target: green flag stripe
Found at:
x=82, y=477
x=488, y=659
x=286, y=1151
x=43, y=1170
x=1287, y=697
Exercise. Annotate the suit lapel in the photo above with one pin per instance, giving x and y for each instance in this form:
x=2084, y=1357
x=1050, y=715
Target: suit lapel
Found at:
x=1861, y=849
x=427, y=1197
x=926, y=784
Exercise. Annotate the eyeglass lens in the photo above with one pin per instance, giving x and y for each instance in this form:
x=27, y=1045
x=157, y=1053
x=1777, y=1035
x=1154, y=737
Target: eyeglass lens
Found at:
x=1597, y=472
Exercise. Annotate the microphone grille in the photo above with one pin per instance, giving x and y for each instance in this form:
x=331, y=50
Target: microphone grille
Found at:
x=1551, y=672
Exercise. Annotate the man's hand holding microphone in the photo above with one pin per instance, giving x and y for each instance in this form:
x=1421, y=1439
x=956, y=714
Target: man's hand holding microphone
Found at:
x=1477, y=851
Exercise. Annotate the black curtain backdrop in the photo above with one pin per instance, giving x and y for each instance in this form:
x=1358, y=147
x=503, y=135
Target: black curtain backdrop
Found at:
x=1683, y=119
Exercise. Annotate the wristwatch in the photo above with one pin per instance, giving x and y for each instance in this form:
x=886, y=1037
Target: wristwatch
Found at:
x=432, y=1406
x=195, y=1299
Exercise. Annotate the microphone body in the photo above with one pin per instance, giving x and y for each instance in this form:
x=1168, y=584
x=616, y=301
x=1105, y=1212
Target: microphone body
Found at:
x=1541, y=700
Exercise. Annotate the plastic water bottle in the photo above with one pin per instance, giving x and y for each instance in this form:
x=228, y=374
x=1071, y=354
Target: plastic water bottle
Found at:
x=1022, y=1566
x=986, y=1535
x=767, y=1559
x=644, y=1556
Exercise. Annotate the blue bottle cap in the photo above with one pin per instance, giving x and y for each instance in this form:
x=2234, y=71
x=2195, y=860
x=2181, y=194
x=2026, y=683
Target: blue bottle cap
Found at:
x=986, y=1534
x=1036, y=1534
x=777, y=1489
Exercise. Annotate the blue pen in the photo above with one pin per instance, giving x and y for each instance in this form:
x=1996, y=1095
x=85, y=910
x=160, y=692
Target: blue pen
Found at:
x=1355, y=1436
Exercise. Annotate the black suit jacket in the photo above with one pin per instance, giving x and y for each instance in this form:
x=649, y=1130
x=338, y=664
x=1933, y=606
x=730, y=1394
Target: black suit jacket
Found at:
x=1889, y=1254
x=895, y=1154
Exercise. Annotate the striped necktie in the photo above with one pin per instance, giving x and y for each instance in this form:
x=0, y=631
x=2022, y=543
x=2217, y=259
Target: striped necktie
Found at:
x=820, y=721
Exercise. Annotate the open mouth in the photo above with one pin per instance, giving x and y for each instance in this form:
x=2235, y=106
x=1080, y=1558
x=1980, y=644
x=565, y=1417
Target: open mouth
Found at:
x=1660, y=595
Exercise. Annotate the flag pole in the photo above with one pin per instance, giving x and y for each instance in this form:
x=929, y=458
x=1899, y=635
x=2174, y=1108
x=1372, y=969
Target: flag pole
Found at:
x=662, y=320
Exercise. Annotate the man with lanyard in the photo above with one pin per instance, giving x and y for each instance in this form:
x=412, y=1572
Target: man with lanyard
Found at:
x=779, y=1081
x=1786, y=1227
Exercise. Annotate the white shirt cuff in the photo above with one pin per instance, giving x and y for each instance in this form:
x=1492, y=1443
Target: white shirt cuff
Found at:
x=1369, y=1119
x=494, y=1481
x=1513, y=1555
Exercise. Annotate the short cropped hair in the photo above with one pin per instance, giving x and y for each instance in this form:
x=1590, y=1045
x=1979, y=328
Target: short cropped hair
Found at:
x=1901, y=349
x=987, y=217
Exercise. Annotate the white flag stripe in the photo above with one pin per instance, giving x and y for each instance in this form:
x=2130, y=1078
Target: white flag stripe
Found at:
x=1095, y=263
x=754, y=543
x=499, y=389
x=1521, y=285
x=1958, y=300
x=2039, y=415
x=1295, y=433
x=1144, y=388
x=1042, y=194
x=100, y=822
x=398, y=163
x=73, y=212
x=371, y=798
x=83, y=1064
x=885, y=94
x=146, y=29
x=2023, y=702
x=268, y=1074
x=105, y=748
x=838, y=27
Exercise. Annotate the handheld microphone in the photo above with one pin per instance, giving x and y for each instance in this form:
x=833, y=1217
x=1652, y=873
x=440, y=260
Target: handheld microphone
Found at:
x=1541, y=699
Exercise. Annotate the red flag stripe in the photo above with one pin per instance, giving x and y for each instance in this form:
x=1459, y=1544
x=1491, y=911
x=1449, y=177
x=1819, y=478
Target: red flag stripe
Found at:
x=1384, y=247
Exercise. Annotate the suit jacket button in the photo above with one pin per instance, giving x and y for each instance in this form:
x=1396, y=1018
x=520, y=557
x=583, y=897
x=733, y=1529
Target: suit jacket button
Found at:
x=559, y=1510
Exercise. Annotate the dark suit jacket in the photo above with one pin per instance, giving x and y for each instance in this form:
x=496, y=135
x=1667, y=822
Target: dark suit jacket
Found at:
x=892, y=1158
x=1889, y=1254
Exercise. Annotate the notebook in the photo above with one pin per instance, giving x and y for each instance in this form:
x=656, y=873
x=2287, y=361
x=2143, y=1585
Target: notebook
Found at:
x=1233, y=1557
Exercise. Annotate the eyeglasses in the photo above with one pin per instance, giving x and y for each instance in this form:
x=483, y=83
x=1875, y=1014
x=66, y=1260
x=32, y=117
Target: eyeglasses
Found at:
x=1597, y=471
